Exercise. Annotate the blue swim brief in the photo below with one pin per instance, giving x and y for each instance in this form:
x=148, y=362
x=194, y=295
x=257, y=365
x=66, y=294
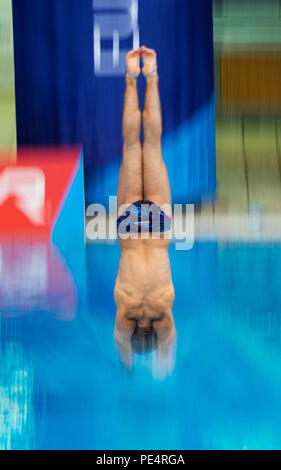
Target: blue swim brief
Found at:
x=143, y=216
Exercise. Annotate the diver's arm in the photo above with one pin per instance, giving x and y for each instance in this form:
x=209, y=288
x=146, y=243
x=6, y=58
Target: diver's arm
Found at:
x=123, y=332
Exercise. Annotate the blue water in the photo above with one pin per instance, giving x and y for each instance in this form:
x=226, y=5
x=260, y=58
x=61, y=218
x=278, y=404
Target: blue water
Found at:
x=61, y=382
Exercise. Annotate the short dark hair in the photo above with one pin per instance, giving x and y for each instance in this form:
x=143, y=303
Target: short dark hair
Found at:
x=144, y=343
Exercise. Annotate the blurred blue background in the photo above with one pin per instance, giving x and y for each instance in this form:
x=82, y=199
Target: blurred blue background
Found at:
x=69, y=80
x=62, y=386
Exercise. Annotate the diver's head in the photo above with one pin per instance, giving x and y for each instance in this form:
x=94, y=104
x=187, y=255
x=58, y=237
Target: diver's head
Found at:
x=142, y=330
x=144, y=339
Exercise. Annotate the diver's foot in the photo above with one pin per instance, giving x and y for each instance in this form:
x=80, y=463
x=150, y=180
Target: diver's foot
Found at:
x=149, y=59
x=133, y=64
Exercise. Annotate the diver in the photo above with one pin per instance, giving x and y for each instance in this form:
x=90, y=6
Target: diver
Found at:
x=144, y=292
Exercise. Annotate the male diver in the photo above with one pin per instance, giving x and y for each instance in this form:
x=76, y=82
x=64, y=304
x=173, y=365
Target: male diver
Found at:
x=144, y=292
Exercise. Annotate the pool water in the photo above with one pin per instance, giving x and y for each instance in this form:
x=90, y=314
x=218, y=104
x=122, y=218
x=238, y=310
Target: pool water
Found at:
x=61, y=382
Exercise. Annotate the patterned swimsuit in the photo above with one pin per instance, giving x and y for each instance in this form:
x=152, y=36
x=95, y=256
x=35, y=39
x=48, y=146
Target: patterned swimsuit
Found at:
x=143, y=216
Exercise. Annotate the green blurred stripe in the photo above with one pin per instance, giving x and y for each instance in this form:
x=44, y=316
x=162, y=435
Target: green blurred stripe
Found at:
x=7, y=82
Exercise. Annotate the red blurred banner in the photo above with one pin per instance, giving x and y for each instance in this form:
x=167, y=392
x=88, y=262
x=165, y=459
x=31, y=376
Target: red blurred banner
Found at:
x=33, y=190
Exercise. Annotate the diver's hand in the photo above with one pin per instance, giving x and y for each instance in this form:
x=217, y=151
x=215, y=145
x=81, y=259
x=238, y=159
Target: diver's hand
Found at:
x=124, y=349
x=166, y=347
x=123, y=332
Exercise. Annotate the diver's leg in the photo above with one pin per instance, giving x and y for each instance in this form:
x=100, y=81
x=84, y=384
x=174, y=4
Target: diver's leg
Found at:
x=156, y=184
x=130, y=187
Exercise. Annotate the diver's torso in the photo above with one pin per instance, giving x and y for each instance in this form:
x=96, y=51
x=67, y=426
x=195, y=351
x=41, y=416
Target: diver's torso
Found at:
x=144, y=278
